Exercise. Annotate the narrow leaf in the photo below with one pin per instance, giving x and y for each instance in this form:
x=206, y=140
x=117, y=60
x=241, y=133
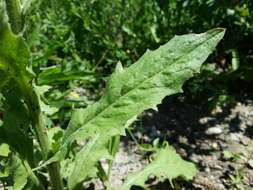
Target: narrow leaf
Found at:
x=55, y=75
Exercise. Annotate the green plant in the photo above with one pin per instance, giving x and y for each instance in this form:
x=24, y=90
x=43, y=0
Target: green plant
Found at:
x=230, y=155
x=237, y=177
x=34, y=155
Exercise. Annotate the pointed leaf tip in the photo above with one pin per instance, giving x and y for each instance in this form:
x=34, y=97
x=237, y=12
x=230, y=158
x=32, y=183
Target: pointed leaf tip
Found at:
x=119, y=68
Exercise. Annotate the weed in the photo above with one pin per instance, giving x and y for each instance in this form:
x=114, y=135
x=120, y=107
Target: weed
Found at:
x=42, y=159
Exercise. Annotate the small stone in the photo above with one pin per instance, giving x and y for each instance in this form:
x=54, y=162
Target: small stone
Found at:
x=194, y=158
x=236, y=148
x=250, y=162
x=214, y=131
x=218, y=167
x=182, y=139
x=216, y=110
x=222, y=145
x=203, y=120
x=245, y=141
x=235, y=137
x=215, y=146
x=207, y=169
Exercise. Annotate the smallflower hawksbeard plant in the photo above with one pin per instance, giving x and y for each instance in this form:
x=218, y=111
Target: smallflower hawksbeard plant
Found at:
x=27, y=154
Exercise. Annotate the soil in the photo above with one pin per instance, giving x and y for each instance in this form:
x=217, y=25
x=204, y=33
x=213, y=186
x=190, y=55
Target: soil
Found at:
x=219, y=143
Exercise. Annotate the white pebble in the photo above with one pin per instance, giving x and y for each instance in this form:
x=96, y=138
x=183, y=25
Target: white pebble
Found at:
x=214, y=131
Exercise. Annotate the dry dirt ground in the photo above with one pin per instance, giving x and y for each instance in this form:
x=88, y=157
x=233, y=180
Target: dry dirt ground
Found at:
x=219, y=143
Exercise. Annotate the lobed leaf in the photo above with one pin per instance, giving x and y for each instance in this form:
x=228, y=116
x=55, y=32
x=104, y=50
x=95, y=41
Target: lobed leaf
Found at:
x=131, y=91
x=166, y=164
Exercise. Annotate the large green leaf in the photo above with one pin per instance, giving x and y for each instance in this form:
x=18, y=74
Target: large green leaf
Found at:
x=15, y=88
x=141, y=86
x=166, y=164
x=14, y=58
x=15, y=80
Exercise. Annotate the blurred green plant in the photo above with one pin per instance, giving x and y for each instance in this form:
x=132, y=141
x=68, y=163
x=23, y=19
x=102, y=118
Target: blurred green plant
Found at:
x=92, y=36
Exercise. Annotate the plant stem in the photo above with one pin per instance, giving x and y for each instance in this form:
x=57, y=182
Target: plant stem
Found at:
x=15, y=15
x=15, y=18
x=54, y=168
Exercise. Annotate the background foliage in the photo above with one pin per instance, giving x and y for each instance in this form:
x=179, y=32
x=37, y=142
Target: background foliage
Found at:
x=90, y=37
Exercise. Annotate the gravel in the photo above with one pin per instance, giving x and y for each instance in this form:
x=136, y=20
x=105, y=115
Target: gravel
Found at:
x=199, y=137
